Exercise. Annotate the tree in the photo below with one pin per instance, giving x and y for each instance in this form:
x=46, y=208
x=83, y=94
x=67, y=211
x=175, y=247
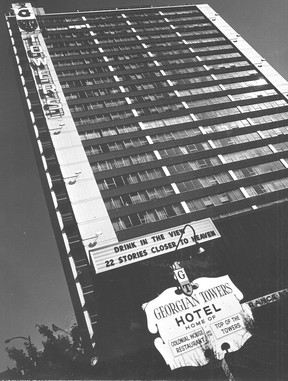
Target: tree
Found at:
x=62, y=356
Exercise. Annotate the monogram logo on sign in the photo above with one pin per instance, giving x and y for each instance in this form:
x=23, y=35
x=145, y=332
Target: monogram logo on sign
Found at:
x=25, y=17
x=182, y=278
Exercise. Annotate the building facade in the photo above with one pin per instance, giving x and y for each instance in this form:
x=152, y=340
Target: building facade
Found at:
x=145, y=119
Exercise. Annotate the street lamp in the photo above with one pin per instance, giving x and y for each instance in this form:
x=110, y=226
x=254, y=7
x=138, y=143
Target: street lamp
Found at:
x=200, y=249
x=28, y=339
x=179, y=273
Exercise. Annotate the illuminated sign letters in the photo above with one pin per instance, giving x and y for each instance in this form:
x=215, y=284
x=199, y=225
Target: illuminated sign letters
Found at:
x=47, y=90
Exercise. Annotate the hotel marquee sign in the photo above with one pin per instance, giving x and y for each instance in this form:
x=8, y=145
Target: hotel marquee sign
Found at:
x=153, y=245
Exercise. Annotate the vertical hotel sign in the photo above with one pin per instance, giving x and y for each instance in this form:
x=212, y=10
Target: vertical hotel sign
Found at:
x=29, y=29
x=89, y=211
x=25, y=17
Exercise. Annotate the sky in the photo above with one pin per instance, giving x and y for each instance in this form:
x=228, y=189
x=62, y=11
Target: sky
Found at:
x=32, y=284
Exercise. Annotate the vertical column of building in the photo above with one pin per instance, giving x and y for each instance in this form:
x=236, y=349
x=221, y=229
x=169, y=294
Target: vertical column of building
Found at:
x=82, y=216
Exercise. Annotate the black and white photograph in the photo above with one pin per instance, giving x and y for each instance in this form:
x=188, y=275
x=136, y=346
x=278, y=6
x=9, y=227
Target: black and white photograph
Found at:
x=144, y=190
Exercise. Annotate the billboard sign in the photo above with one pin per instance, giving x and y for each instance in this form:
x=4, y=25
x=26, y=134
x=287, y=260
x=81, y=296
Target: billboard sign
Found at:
x=153, y=245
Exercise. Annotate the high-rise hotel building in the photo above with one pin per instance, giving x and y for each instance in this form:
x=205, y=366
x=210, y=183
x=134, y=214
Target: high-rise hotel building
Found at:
x=145, y=119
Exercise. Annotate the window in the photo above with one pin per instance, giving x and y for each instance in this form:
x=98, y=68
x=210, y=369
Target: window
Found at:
x=89, y=135
x=131, y=178
x=187, y=81
x=205, y=40
x=267, y=187
x=194, y=165
x=128, y=128
x=115, y=146
x=184, y=12
x=169, y=52
x=107, y=184
x=259, y=169
x=221, y=56
x=138, y=197
x=217, y=113
x=245, y=73
x=133, y=143
x=254, y=94
x=199, y=32
x=184, y=70
x=178, y=61
x=122, y=223
x=200, y=90
x=228, y=65
x=214, y=200
x=143, y=158
x=175, y=135
x=190, y=185
x=208, y=101
x=120, y=48
x=237, y=139
x=204, y=182
x=207, y=202
x=212, y=47
x=244, y=84
x=226, y=126
x=76, y=108
x=151, y=174
x=160, y=109
x=264, y=105
x=275, y=132
x=109, y=132
x=101, y=166
x=247, y=154
x=95, y=150
x=121, y=162
x=281, y=147
x=166, y=122
x=269, y=118
x=121, y=115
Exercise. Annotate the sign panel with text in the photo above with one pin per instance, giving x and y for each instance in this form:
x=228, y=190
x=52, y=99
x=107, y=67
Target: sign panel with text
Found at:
x=146, y=247
x=193, y=330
